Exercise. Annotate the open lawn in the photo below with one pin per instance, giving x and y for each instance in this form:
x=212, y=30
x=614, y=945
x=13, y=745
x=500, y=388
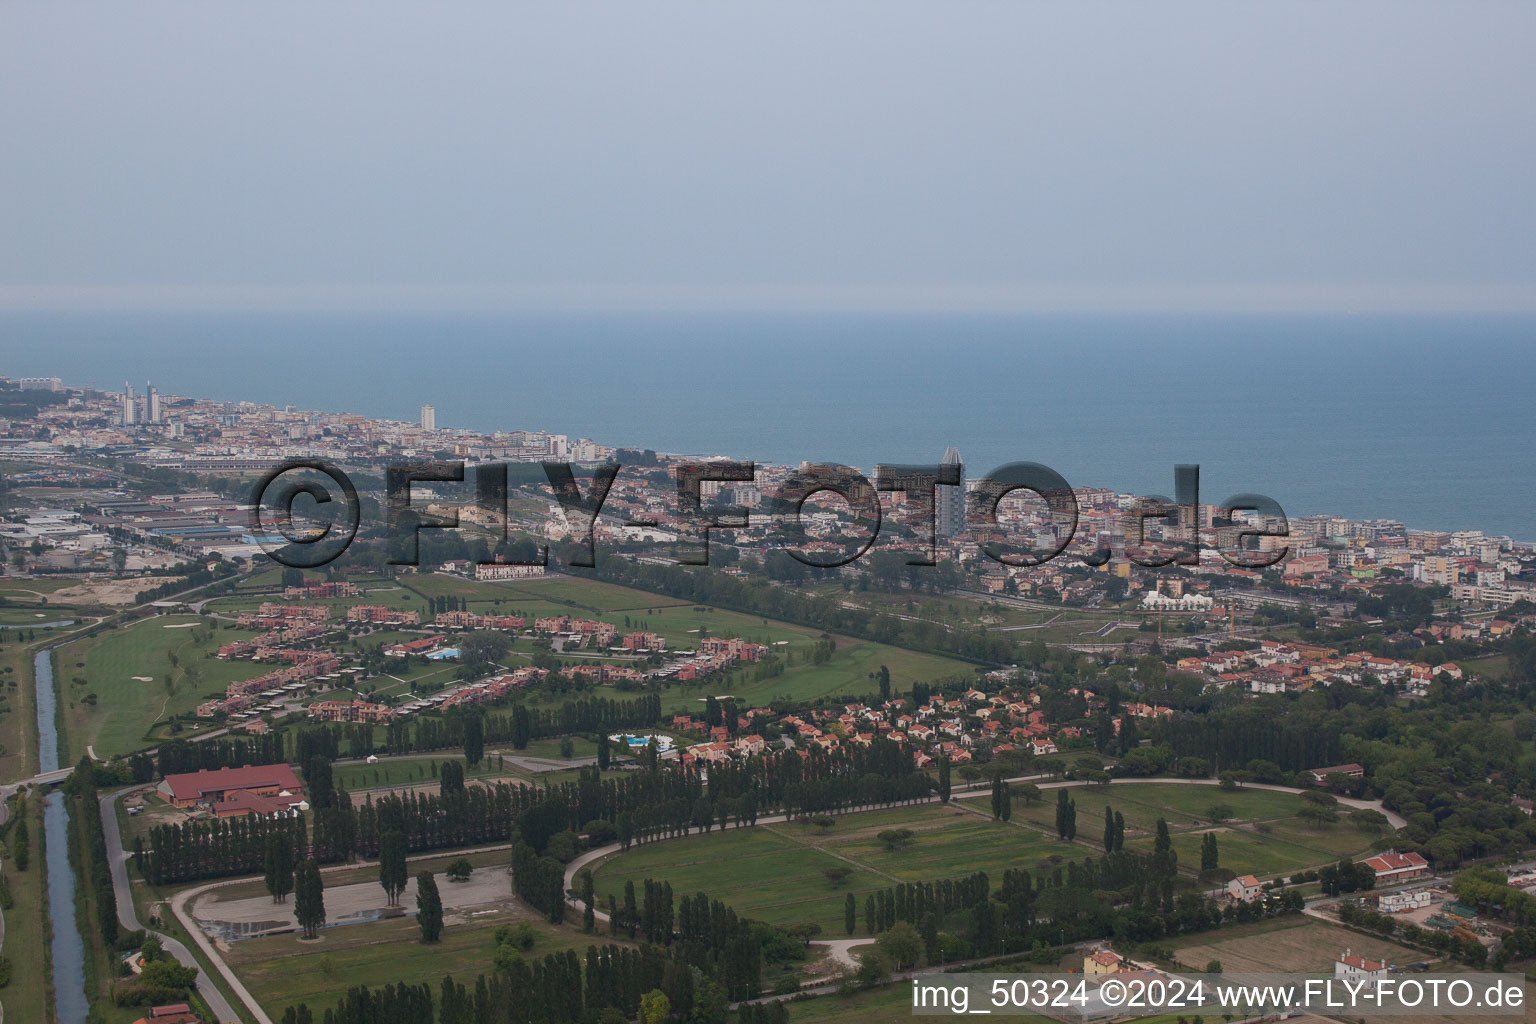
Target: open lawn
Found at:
x=775, y=872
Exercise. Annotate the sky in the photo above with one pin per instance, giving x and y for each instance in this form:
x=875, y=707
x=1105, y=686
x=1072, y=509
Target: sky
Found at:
x=985, y=156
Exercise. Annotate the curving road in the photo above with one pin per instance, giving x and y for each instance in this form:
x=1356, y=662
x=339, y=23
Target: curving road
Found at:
x=128, y=916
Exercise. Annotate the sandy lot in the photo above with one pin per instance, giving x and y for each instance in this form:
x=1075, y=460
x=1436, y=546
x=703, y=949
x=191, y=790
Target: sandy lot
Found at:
x=108, y=592
x=361, y=901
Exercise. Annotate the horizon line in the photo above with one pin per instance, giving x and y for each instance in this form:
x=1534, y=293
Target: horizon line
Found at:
x=1269, y=299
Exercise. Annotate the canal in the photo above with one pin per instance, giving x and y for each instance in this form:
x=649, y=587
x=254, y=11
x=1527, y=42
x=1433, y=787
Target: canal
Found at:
x=70, y=1002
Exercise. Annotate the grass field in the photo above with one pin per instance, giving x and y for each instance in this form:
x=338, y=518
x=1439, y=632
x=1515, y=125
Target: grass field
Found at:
x=126, y=707
x=1251, y=853
x=1284, y=844
x=1288, y=944
x=1141, y=804
x=18, y=717
x=31, y=618
x=281, y=970
x=418, y=771
x=547, y=596
x=775, y=872
x=25, y=997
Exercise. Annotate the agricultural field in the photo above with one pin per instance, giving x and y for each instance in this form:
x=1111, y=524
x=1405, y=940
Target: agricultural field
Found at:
x=775, y=872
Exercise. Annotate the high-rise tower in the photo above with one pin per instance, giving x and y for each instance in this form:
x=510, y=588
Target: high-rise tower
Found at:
x=428, y=418
x=951, y=500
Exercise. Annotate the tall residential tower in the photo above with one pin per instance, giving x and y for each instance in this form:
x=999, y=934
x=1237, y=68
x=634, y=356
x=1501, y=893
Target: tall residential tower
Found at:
x=951, y=500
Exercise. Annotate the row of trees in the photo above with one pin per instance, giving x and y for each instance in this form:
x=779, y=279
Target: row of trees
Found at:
x=98, y=869
x=609, y=985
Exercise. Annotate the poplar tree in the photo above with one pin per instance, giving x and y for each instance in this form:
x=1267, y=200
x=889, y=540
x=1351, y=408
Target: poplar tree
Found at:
x=309, y=897
x=429, y=907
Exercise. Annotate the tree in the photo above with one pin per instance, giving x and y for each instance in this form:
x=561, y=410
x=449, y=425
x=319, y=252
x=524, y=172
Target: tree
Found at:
x=474, y=738
x=895, y=838
x=588, y=900
x=309, y=897
x=654, y=1007
x=604, y=756
x=459, y=870
x=451, y=780
x=1066, y=815
x=1109, y=830
x=901, y=944
x=944, y=784
x=874, y=969
x=279, y=865
x=837, y=875
x=429, y=908
x=392, y=867
x=1210, y=857
x=1164, y=860
x=850, y=914
x=21, y=839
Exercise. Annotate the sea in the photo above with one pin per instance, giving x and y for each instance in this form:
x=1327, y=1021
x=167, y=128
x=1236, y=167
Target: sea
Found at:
x=1425, y=419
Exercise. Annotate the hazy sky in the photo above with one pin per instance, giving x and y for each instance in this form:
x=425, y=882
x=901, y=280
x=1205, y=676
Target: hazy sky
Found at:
x=882, y=155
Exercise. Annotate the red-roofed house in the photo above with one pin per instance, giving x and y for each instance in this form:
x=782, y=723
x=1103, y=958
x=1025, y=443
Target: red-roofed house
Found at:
x=1392, y=867
x=1352, y=965
x=275, y=782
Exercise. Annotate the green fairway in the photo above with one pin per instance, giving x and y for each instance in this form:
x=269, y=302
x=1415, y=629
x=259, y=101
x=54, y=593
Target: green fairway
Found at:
x=178, y=647
x=775, y=872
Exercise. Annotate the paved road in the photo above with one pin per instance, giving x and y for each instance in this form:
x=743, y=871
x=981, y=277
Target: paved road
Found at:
x=128, y=917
